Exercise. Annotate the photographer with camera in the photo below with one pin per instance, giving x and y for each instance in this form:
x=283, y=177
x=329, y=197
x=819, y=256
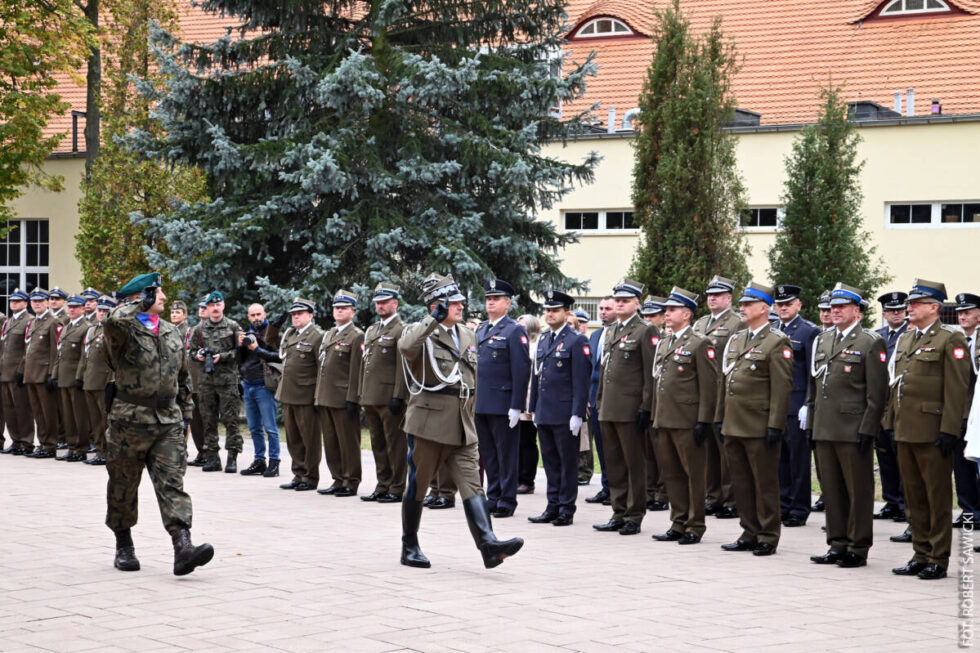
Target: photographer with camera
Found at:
x=261, y=369
x=215, y=342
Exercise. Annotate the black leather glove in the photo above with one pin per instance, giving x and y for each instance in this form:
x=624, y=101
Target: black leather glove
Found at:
x=642, y=419
x=280, y=320
x=51, y=384
x=352, y=408
x=810, y=441
x=890, y=434
x=864, y=442
x=148, y=298
x=79, y=384
x=440, y=312
x=701, y=432
x=20, y=380
x=718, y=432
x=396, y=405
x=773, y=437
x=947, y=443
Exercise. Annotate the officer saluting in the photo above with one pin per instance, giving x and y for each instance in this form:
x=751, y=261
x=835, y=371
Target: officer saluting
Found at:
x=845, y=401
x=930, y=373
x=685, y=371
x=440, y=355
x=146, y=423
x=502, y=378
x=559, y=395
x=758, y=369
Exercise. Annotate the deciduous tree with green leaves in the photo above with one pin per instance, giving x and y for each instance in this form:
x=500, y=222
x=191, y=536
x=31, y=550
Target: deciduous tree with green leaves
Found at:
x=40, y=42
x=821, y=240
x=347, y=143
x=686, y=189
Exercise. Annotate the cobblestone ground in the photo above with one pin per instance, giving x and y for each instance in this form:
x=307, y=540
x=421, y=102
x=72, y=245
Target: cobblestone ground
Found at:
x=304, y=572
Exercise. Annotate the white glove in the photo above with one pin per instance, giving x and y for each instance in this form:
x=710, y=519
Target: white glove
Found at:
x=514, y=416
x=802, y=415
x=575, y=424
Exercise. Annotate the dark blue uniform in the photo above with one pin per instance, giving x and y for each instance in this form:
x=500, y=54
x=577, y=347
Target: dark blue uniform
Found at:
x=560, y=389
x=502, y=375
x=885, y=449
x=794, y=457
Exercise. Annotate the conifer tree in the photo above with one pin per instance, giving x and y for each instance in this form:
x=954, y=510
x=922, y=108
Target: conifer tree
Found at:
x=347, y=143
x=821, y=240
x=686, y=190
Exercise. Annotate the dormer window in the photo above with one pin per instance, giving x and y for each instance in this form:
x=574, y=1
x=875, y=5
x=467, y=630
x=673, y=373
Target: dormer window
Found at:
x=604, y=27
x=905, y=7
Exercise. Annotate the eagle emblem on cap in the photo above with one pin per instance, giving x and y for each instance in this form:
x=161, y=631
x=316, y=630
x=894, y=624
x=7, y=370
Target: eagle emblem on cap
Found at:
x=550, y=295
x=493, y=284
x=781, y=289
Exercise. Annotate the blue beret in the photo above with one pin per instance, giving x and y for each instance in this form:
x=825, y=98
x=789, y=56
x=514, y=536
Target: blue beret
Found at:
x=140, y=283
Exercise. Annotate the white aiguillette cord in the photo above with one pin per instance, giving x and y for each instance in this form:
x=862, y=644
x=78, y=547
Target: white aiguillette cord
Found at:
x=415, y=386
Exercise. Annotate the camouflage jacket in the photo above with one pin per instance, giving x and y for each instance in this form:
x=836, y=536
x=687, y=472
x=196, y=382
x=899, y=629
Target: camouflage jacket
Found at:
x=221, y=338
x=150, y=370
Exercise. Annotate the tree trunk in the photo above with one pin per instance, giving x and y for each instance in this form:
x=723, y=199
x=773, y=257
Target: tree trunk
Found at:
x=93, y=92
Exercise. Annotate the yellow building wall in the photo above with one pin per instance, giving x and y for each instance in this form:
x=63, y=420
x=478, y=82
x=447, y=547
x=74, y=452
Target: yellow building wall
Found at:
x=903, y=163
x=61, y=211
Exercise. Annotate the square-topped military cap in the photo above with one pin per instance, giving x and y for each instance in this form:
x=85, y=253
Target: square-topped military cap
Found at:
x=923, y=290
x=756, y=292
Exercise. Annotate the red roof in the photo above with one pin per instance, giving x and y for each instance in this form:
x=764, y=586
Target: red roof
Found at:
x=790, y=49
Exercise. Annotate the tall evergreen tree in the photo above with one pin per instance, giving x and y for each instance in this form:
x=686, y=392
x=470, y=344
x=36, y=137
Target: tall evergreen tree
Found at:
x=108, y=244
x=686, y=190
x=349, y=142
x=821, y=240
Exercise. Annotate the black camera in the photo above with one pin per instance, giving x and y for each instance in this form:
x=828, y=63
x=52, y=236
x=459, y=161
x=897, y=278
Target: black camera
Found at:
x=249, y=340
x=208, y=359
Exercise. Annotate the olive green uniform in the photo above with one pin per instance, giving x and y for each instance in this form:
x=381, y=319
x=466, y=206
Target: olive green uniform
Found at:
x=685, y=392
x=927, y=394
x=758, y=378
x=94, y=373
x=146, y=419
x=625, y=388
x=219, y=392
x=339, y=358
x=845, y=402
x=718, y=482
x=39, y=361
x=16, y=404
x=194, y=369
x=296, y=393
x=74, y=415
x=380, y=381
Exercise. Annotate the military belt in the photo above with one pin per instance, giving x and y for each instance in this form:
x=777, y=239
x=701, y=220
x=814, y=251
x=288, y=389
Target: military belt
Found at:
x=455, y=391
x=158, y=403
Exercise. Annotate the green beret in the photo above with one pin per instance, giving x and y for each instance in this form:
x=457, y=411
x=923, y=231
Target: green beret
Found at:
x=215, y=297
x=140, y=283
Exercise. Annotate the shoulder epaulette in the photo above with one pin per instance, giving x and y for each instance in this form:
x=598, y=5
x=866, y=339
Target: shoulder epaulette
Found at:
x=874, y=334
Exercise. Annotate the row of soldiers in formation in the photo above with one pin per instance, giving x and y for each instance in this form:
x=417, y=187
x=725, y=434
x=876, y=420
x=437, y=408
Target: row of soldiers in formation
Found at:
x=709, y=402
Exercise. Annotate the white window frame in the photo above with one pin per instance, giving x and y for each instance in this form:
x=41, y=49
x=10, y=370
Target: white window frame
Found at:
x=780, y=216
x=936, y=218
x=23, y=269
x=902, y=9
x=594, y=24
x=602, y=223
x=590, y=305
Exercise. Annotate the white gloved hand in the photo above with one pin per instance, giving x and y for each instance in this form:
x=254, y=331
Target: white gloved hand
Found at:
x=802, y=415
x=514, y=416
x=575, y=424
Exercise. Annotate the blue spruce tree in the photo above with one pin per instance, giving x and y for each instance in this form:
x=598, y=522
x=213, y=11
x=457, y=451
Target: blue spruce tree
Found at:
x=346, y=143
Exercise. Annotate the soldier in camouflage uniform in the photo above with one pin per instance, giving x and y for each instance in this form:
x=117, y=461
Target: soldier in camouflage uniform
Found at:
x=219, y=391
x=94, y=374
x=146, y=423
x=195, y=367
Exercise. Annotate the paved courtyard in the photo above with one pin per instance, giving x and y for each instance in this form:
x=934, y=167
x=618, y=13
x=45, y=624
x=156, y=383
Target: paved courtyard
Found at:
x=304, y=572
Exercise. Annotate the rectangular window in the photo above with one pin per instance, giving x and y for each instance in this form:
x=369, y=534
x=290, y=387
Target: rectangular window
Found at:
x=933, y=214
x=600, y=221
x=761, y=218
x=24, y=257
x=590, y=305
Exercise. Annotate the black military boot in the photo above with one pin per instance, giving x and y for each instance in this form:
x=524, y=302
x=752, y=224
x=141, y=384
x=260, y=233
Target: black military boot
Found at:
x=255, y=469
x=493, y=550
x=232, y=466
x=272, y=470
x=412, y=555
x=187, y=556
x=212, y=463
x=125, y=552
x=197, y=462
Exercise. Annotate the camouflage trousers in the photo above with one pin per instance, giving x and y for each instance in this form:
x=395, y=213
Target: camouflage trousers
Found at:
x=220, y=403
x=161, y=449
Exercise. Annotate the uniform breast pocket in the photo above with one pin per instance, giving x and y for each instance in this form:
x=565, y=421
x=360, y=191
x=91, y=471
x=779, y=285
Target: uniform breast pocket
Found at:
x=495, y=351
x=851, y=363
x=758, y=362
x=342, y=350
x=628, y=350
x=927, y=363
